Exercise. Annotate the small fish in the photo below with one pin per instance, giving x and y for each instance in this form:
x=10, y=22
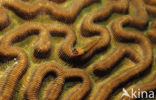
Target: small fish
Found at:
x=75, y=51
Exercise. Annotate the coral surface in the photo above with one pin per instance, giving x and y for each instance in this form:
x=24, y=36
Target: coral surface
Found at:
x=76, y=49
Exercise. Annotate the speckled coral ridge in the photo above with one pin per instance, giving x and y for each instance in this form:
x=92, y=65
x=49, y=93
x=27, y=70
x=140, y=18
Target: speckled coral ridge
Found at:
x=88, y=86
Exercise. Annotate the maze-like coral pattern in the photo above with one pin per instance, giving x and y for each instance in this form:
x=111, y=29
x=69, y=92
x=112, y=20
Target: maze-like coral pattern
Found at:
x=96, y=36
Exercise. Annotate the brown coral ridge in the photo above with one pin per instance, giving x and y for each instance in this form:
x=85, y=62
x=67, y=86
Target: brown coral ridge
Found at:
x=29, y=11
x=58, y=1
x=14, y=75
x=53, y=92
x=150, y=6
x=152, y=32
x=151, y=9
x=149, y=86
x=43, y=45
x=142, y=63
x=4, y=19
x=89, y=28
x=44, y=31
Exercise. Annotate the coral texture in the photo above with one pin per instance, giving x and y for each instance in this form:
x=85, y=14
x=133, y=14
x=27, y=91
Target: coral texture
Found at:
x=76, y=49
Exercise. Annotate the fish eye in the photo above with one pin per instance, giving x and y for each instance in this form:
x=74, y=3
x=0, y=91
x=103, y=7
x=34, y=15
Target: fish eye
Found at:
x=74, y=51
